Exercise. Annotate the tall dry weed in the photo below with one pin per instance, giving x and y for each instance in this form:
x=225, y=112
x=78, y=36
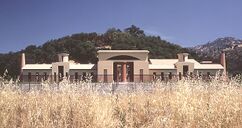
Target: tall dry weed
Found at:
x=186, y=103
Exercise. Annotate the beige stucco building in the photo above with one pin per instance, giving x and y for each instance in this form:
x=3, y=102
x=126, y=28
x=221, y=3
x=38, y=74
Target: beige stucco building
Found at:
x=121, y=66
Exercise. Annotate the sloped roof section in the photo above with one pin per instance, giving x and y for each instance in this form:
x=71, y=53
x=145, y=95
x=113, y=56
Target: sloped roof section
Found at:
x=38, y=66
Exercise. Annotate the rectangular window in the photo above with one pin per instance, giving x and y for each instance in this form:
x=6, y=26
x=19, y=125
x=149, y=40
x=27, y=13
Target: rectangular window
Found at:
x=185, y=70
x=162, y=75
x=45, y=75
x=191, y=74
x=29, y=76
x=54, y=76
x=93, y=76
x=105, y=75
x=37, y=78
x=180, y=76
x=84, y=76
x=141, y=75
x=208, y=74
x=154, y=75
x=170, y=75
x=76, y=76
x=67, y=75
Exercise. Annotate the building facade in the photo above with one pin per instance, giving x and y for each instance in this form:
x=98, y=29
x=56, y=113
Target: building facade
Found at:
x=121, y=66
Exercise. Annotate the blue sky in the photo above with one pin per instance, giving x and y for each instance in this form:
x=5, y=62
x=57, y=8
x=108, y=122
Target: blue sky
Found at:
x=184, y=22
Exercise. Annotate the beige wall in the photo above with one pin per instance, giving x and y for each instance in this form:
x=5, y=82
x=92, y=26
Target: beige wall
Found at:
x=55, y=67
x=81, y=71
x=109, y=66
x=34, y=71
x=104, y=63
x=205, y=71
x=179, y=66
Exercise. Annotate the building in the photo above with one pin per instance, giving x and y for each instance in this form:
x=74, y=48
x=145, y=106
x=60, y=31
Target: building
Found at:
x=121, y=66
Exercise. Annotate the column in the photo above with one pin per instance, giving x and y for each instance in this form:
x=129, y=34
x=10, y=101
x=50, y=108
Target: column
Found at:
x=124, y=72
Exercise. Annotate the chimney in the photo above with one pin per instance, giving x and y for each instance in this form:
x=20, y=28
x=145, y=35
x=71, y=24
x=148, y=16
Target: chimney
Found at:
x=223, y=62
x=182, y=57
x=63, y=57
x=22, y=62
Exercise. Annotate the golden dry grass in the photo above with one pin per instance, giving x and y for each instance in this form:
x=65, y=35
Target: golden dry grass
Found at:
x=185, y=103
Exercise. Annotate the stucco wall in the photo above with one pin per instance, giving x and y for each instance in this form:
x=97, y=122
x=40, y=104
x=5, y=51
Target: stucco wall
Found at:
x=179, y=66
x=205, y=71
x=55, y=67
x=34, y=71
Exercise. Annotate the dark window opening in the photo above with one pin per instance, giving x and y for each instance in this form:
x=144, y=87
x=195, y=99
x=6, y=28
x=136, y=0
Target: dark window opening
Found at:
x=55, y=76
x=185, y=70
x=105, y=75
x=76, y=76
x=141, y=75
x=45, y=75
x=84, y=76
x=37, y=78
x=180, y=76
x=154, y=75
x=162, y=75
x=170, y=75
x=67, y=75
x=208, y=74
x=29, y=76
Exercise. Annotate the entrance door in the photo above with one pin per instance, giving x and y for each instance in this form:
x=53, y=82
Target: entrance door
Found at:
x=123, y=72
x=61, y=72
x=185, y=70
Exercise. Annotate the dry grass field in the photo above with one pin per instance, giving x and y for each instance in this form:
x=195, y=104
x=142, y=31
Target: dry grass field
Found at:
x=186, y=103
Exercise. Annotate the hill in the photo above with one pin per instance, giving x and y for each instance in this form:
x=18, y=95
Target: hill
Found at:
x=82, y=48
x=231, y=46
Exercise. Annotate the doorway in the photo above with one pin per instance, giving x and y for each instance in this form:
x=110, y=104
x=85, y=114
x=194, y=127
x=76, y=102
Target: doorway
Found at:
x=123, y=71
x=185, y=70
x=61, y=72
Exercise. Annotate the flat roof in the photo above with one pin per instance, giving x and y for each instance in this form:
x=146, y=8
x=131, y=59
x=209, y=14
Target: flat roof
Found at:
x=81, y=66
x=169, y=64
x=38, y=66
x=125, y=51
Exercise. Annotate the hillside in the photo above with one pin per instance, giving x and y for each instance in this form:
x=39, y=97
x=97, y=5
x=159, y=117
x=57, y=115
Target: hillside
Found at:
x=82, y=48
x=231, y=46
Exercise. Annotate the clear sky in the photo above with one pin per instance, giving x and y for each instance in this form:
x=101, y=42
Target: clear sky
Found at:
x=184, y=22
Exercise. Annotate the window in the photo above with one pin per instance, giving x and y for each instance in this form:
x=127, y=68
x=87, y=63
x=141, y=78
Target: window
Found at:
x=180, y=76
x=84, y=76
x=76, y=76
x=185, y=70
x=141, y=75
x=208, y=74
x=105, y=75
x=45, y=75
x=170, y=75
x=93, y=76
x=162, y=75
x=154, y=75
x=67, y=75
x=29, y=76
x=55, y=76
x=37, y=78
x=191, y=74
